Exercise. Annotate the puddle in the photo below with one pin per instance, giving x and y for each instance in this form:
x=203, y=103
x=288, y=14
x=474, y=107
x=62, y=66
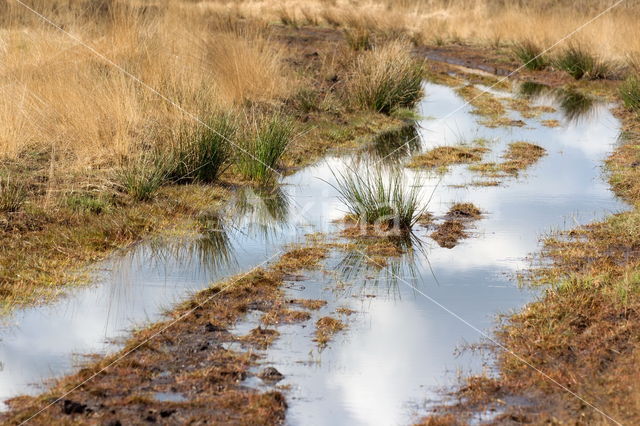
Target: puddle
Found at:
x=400, y=346
x=169, y=397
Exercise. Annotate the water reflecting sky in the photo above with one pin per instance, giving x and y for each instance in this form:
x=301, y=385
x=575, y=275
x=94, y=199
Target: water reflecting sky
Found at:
x=400, y=344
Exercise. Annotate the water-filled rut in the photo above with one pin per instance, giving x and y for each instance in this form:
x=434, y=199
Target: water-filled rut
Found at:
x=410, y=317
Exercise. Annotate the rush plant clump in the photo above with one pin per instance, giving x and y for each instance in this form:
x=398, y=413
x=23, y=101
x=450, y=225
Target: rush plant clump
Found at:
x=386, y=78
x=263, y=147
x=375, y=198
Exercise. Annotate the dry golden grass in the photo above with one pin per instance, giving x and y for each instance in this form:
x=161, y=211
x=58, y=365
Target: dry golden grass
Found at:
x=444, y=156
x=62, y=97
x=492, y=22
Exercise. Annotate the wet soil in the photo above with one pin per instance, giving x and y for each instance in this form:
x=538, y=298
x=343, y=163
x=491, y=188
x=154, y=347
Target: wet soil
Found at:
x=188, y=355
x=193, y=359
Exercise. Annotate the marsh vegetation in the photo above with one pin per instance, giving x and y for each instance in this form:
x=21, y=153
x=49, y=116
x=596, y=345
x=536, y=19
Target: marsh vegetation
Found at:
x=127, y=119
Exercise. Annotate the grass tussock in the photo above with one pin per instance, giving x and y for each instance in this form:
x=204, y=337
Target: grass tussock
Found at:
x=201, y=152
x=630, y=93
x=444, y=156
x=142, y=177
x=579, y=63
x=386, y=78
x=531, y=55
x=265, y=141
x=13, y=194
x=384, y=200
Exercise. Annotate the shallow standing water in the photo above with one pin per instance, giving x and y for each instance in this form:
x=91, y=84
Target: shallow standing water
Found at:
x=400, y=345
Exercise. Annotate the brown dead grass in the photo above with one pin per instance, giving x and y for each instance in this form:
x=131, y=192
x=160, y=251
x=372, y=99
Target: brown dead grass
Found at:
x=302, y=258
x=74, y=103
x=311, y=304
x=527, y=109
x=326, y=328
x=284, y=316
x=488, y=22
x=464, y=211
x=455, y=227
x=583, y=331
x=260, y=337
x=444, y=156
x=518, y=157
x=550, y=123
x=449, y=233
x=191, y=352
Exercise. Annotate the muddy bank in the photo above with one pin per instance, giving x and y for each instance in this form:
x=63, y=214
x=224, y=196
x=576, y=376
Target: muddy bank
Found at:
x=183, y=369
x=232, y=366
x=577, y=346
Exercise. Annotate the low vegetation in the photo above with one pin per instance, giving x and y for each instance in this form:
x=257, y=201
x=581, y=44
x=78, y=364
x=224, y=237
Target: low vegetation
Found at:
x=531, y=55
x=444, y=156
x=456, y=224
x=201, y=153
x=263, y=146
x=464, y=211
x=326, y=328
x=630, y=93
x=141, y=177
x=487, y=106
x=385, y=200
x=517, y=157
x=579, y=63
x=12, y=195
x=448, y=233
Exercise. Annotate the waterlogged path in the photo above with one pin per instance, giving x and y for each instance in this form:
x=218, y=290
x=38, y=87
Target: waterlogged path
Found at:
x=400, y=346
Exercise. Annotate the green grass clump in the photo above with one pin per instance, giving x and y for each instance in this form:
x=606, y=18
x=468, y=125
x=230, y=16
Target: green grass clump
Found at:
x=530, y=54
x=580, y=63
x=202, y=152
x=141, y=177
x=263, y=147
x=87, y=203
x=12, y=195
x=386, y=78
x=630, y=93
x=375, y=198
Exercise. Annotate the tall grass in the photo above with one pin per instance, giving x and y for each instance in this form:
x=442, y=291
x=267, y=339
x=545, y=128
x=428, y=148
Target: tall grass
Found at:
x=265, y=141
x=63, y=96
x=12, y=195
x=530, y=54
x=380, y=199
x=630, y=93
x=579, y=63
x=611, y=36
x=202, y=152
x=386, y=78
